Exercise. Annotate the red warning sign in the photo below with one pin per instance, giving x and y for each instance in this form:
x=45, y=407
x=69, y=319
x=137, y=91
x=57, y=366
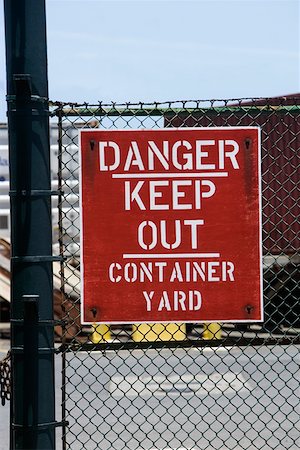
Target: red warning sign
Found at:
x=171, y=225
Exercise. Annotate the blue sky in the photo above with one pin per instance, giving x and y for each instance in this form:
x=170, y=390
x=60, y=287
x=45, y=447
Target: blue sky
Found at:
x=168, y=50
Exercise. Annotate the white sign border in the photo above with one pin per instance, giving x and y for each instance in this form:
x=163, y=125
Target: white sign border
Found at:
x=89, y=130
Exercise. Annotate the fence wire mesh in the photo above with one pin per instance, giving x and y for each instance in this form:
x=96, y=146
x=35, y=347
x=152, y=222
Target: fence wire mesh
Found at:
x=233, y=386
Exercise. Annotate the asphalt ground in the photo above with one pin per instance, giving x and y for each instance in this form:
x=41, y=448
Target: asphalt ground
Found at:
x=226, y=398
x=223, y=398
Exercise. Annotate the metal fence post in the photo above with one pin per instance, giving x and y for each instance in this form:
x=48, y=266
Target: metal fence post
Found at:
x=32, y=404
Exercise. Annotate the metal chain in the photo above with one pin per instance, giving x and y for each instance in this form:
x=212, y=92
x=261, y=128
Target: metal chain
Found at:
x=5, y=379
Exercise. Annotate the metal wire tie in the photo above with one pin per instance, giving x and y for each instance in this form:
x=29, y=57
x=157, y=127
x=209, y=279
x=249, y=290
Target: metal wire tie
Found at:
x=34, y=259
x=42, y=322
x=41, y=425
x=39, y=350
x=35, y=193
x=33, y=98
x=24, y=112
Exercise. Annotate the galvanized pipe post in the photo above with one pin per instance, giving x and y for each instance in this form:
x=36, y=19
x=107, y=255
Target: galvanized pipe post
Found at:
x=32, y=346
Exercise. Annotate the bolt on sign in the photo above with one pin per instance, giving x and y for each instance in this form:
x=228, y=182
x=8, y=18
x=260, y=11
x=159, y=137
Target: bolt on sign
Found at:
x=171, y=225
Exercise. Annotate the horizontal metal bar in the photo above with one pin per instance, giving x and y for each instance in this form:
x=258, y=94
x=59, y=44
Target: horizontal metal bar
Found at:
x=164, y=112
x=238, y=108
x=227, y=342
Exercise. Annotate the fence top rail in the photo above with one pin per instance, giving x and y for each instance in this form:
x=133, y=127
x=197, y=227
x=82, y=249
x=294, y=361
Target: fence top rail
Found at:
x=176, y=107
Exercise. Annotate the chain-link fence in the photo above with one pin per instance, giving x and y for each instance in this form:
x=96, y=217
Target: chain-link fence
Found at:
x=233, y=386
